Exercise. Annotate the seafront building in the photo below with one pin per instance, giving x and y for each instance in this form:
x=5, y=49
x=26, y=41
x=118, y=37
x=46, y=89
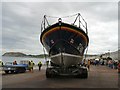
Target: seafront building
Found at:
x=114, y=55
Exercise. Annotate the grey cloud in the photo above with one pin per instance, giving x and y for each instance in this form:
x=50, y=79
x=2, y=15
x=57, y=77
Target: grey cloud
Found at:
x=21, y=24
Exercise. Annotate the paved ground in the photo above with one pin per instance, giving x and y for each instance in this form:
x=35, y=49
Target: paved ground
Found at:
x=99, y=77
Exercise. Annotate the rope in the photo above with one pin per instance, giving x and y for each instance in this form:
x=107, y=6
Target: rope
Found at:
x=52, y=16
x=78, y=16
x=69, y=16
x=62, y=17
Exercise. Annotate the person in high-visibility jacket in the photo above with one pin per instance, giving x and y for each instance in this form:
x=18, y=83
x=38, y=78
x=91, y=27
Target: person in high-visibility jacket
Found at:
x=40, y=65
x=31, y=66
x=47, y=63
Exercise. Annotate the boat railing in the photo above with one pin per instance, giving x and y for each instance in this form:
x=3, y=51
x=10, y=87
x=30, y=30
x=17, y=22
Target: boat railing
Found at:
x=78, y=22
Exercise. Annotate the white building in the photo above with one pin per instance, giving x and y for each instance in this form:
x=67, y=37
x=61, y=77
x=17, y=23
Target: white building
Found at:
x=114, y=55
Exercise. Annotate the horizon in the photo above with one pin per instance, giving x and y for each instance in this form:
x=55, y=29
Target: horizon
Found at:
x=47, y=53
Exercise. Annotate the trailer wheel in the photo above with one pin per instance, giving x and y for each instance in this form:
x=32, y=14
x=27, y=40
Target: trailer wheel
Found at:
x=50, y=73
x=85, y=73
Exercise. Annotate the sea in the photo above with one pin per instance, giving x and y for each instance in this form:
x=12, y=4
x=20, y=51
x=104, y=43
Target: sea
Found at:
x=18, y=59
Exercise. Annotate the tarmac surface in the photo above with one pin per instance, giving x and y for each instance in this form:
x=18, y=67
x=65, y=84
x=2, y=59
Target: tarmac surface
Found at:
x=99, y=77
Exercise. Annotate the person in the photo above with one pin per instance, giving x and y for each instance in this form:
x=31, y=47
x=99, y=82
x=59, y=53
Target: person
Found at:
x=111, y=64
x=103, y=62
x=95, y=62
x=115, y=65
x=31, y=64
x=84, y=63
x=88, y=64
x=40, y=65
x=1, y=63
x=15, y=62
x=47, y=63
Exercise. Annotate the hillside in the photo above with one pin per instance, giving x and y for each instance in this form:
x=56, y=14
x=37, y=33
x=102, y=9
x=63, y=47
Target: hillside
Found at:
x=114, y=55
x=19, y=54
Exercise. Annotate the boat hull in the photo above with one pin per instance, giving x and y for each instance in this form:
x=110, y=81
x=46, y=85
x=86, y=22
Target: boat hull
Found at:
x=66, y=60
x=65, y=43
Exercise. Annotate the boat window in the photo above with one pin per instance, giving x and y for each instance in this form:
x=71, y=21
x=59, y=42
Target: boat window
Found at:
x=80, y=47
x=71, y=41
x=52, y=41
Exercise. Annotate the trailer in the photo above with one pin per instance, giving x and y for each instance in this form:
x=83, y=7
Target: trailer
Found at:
x=77, y=70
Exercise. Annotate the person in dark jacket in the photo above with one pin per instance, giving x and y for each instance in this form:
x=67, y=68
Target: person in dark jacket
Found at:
x=15, y=62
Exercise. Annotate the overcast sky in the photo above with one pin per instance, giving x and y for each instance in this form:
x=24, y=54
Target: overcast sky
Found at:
x=21, y=24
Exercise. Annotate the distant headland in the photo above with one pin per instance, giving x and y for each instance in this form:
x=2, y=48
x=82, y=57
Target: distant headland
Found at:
x=19, y=54
x=113, y=55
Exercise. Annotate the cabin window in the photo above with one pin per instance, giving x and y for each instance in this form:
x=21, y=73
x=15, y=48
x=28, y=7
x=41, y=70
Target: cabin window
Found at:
x=71, y=41
x=52, y=41
x=80, y=47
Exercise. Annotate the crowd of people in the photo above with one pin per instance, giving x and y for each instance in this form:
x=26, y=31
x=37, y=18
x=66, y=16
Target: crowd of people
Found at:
x=113, y=64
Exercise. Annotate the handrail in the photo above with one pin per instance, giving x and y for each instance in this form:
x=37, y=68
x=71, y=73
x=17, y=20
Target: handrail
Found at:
x=82, y=23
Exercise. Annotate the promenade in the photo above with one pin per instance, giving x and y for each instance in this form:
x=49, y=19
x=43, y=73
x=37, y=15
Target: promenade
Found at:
x=99, y=77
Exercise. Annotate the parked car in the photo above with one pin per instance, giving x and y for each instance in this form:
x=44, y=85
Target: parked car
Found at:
x=10, y=68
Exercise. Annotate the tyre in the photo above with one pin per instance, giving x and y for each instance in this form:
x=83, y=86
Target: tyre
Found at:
x=85, y=73
x=48, y=74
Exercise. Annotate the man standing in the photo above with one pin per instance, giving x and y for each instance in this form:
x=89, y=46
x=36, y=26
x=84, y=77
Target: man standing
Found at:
x=40, y=65
x=31, y=65
x=47, y=63
x=88, y=64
